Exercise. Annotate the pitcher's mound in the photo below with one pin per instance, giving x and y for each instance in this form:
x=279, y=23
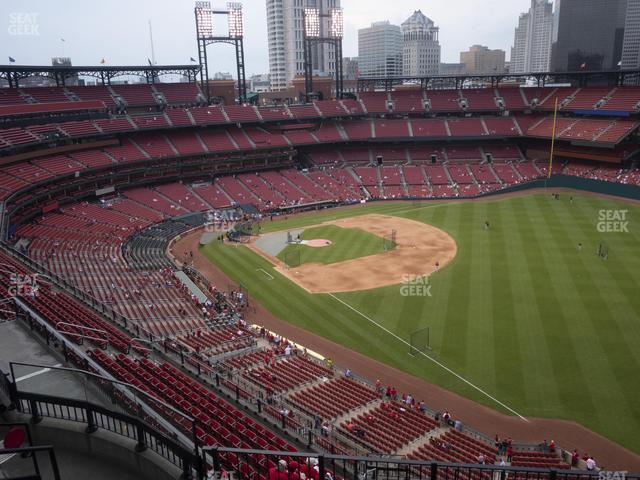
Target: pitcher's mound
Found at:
x=316, y=243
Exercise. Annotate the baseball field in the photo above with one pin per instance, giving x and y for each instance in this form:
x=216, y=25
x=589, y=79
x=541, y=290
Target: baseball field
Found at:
x=536, y=311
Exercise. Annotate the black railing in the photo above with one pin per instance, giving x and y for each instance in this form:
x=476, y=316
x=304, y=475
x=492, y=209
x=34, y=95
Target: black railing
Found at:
x=32, y=451
x=257, y=464
x=97, y=417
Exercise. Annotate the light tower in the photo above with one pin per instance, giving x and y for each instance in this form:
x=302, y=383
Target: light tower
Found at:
x=205, y=34
x=312, y=35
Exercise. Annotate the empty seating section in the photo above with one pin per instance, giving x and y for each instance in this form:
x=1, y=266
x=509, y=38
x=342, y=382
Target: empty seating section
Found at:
x=436, y=174
x=178, y=117
x=537, y=460
x=463, y=152
x=506, y=173
x=291, y=194
x=263, y=139
x=304, y=111
x=535, y=95
x=330, y=108
x=483, y=174
x=216, y=341
x=186, y=142
x=207, y=115
x=374, y=102
x=46, y=94
x=325, y=157
x=134, y=209
x=17, y=136
x=561, y=94
x=213, y=195
x=388, y=129
x=332, y=398
x=306, y=185
x=528, y=171
x=482, y=99
x=59, y=165
x=274, y=113
x=268, y=195
x=388, y=427
x=246, y=360
x=339, y=190
x=411, y=102
x=240, y=138
x=125, y=152
x=283, y=375
x=152, y=121
x=353, y=107
x=114, y=124
x=238, y=192
x=454, y=446
x=219, y=422
x=300, y=137
x=217, y=140
x=616, y=130
x=513, y=98
x=183, y=196
x=460, y=174
x=94, y=92
x=68, y=316
x=587, y=99
x=390, y=155
x=466, y=127
x=368, y=175
x=414, y=175
x=135, y=95
x=28, y=172
x=623, y=99
x=184, y=93
x=503, y=151
x=327, y=133
x=155, y=144
x=78, y=129
x=356, y=155
x=155, y=201
x=502, y=126
x=444, y=100
x=423, y=127
x=11, y=96
x=358, y=129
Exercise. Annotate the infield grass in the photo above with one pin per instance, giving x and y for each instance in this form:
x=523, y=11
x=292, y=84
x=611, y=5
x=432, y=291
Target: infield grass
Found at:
x=346, y=244
x=547, y=329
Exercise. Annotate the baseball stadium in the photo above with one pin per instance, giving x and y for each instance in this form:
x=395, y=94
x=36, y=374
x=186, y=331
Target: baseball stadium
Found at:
x=387, y=278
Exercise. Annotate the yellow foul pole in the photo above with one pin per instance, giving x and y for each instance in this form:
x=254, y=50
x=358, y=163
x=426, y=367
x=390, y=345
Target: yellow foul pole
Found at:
x=553, y=137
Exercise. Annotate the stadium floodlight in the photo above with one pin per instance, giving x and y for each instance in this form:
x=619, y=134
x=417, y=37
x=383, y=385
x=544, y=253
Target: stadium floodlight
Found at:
x=312, y=22
x=336, y=22
x=204, y=19
x=236, y=29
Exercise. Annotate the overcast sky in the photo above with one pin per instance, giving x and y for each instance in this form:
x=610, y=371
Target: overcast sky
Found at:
x=118, y=29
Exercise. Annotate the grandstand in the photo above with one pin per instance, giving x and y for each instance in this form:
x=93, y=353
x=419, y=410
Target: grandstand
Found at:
x=96, y=183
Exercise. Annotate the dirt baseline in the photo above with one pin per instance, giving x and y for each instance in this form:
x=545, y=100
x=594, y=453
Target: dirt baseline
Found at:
x=418, y=248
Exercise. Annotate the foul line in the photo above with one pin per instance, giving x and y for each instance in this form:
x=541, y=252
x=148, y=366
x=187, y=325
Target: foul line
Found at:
x=36, y=373
x=441, y=365
x=265, y=272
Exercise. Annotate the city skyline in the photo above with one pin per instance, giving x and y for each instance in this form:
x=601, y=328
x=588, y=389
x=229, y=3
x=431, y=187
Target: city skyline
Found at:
x=174, y=30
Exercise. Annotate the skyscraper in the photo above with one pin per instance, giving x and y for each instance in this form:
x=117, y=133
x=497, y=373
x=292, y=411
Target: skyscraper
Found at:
x=421, y=51
x=588, y=35
x=631, y=43
x=532, y=41
x=380, y=50
x=481, y=60
x=285, y=31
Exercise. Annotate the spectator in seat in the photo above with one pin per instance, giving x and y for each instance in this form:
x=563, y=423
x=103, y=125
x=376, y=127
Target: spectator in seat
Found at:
x=509, y=453
x=279, y=472
x=310, y=469
x=481, y=459
x=348, y=373
x=293, y=471
x=591, y=463
x=552, y=447
x=575, y=457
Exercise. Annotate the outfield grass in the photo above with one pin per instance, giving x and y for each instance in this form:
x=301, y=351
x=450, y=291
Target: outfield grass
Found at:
x=549, y=330
x=346, y=244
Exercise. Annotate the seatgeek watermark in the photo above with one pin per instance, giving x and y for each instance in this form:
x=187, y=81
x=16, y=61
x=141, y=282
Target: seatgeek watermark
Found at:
x=613, y=221
x=23, y=285
x=24, y=23
x=612, y=474
x=415, y=286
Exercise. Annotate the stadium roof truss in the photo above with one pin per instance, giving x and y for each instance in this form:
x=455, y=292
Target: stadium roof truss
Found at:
x=104, y=74
x=581, y=79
